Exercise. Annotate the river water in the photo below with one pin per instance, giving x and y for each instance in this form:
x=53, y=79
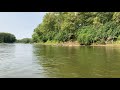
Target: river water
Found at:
x=39, y=61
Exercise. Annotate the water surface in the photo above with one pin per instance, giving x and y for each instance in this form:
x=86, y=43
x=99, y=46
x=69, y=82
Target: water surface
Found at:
x=39, y=61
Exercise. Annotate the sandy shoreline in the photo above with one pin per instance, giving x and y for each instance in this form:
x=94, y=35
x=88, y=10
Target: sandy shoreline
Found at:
x=70, y=44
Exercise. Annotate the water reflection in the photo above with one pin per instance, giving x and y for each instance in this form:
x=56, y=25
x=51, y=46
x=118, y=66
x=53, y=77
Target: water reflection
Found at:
x=39, y=61
x=79, y=61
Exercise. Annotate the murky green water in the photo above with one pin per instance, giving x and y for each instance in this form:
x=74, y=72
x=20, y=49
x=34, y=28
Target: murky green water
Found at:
x=37, y=61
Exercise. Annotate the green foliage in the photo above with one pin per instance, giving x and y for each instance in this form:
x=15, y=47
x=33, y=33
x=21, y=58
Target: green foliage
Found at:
x=35, y=37
x=7, y=38
x=86, y=35
x=116, y=17
x=25, y=40
x=61, y=36
x=86, y=27
x=118, y=38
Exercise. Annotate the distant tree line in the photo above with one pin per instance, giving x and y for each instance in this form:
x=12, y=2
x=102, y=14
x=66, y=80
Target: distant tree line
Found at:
x=24, y=40
x=85, y=27
x=7, y=38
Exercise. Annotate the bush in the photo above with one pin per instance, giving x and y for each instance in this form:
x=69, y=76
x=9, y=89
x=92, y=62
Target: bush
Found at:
x=61, y=36
x=86, y=35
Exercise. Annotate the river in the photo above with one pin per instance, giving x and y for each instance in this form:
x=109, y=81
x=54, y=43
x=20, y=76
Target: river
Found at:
x=40, y=61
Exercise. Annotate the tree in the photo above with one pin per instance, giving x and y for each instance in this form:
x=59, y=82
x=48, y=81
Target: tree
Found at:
x=7, y=38
x=116, y=17
x=24, y=40
x=86, y=27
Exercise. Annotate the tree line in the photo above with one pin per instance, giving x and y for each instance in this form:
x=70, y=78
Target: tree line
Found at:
x=24, y=40
x=10, y=38
x=85, y=27
x=7, y=38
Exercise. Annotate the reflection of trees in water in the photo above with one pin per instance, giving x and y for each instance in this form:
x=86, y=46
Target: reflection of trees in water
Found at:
x=56, y=60
x=113, y=61
x=78, y=61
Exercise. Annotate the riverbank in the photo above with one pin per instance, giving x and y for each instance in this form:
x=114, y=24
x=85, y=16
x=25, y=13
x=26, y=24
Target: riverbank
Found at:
x=106, y=45
x=75, y=43
x=53, y=43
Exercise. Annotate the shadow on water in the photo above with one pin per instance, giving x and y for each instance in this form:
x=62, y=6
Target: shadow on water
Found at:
x=82, y=62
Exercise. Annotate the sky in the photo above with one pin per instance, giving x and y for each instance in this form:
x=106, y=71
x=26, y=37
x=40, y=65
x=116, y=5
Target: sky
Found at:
x=21, y=24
